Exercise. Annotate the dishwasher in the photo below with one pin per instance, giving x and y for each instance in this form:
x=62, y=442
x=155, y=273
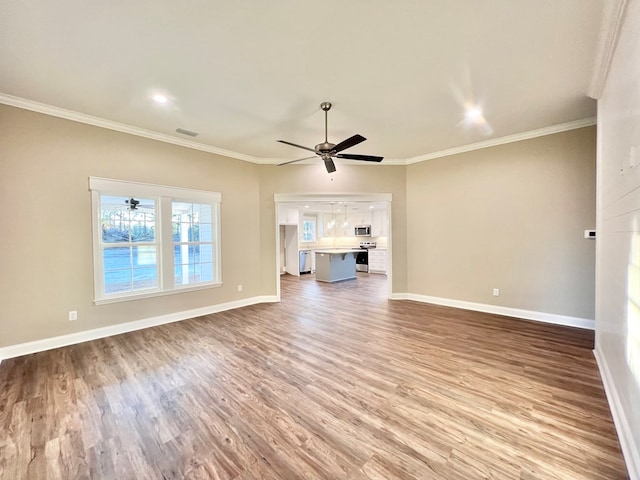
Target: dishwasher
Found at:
x=305, y=261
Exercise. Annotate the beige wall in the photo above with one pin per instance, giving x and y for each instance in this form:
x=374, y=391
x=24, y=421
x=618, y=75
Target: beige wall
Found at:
x=45, y=222
x=510, y=217
x=310, y=179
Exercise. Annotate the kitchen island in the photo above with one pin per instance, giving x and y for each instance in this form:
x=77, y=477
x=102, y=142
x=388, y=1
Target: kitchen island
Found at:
x=335, y=265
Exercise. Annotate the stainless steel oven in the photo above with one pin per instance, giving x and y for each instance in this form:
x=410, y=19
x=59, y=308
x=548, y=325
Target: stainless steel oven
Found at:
x=362, y=257
x=362, y=261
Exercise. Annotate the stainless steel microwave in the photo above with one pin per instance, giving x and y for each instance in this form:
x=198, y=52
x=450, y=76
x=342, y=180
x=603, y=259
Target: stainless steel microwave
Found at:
x=363, y=230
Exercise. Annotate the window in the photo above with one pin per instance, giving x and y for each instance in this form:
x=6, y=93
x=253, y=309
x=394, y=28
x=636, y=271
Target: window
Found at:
x=193, y=243
x=309, y=228
x=129, y=249
x=153, y=240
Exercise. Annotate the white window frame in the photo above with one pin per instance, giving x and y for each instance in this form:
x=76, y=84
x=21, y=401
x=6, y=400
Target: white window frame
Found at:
x=164, y=196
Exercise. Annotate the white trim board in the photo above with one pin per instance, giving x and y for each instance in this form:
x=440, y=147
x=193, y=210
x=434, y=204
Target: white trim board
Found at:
x=623, y=428
x=516, y=137
x=332, y=197
x=119, y=127
x=103, y=332
x=614, y=12
x=556, y=319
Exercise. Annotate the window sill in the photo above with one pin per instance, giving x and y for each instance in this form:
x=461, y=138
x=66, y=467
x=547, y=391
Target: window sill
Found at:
x=154, y=293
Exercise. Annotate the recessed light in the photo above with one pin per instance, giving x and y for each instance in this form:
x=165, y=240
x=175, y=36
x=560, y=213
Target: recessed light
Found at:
x=159, y=98
x=473, y=114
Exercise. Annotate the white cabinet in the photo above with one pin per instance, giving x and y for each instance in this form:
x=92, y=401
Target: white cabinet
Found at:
x=336, y=225
x=289, y=249
x=346, y=227
x=360, y=217
x=379, y=223
x=342, y=223
x=339, y=224
x=377, y=260
x=326, y=225
x=319, y=225
x=288, y=215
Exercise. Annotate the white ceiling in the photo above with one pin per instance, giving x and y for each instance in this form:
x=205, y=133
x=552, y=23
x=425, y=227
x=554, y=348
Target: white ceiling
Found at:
x=245, y=74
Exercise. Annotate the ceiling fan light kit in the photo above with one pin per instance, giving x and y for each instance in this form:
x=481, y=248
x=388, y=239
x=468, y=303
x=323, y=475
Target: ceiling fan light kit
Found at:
x=328, y=151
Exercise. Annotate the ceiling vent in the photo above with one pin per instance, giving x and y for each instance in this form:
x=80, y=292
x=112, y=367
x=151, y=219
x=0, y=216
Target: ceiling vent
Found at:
x=186, y=132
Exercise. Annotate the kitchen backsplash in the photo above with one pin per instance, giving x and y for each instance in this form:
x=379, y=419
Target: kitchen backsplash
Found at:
x=340, y=242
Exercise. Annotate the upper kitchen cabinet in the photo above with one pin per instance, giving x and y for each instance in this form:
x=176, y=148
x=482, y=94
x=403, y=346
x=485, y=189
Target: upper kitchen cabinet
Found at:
x=344, y=219
x=343, y=225
x=335, y=220
x=360, y=216
x=379, y=223
x=330, y=225
x=325, y=225
x=335, y=223
x=288, y=215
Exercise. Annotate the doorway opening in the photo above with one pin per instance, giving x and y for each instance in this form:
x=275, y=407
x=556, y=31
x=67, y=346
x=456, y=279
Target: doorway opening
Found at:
x=309, y=222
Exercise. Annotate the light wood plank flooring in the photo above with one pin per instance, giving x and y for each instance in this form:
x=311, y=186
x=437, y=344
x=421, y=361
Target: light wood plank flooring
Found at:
x=334, y=382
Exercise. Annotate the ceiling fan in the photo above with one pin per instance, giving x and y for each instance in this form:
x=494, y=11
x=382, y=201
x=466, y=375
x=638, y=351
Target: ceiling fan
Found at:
x=328, y=151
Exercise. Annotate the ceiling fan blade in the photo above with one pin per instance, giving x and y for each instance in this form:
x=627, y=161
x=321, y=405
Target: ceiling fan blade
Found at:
x=329, y=165
x=353, y=156
x=348, y=143
x=294, y=161
x=295, y=145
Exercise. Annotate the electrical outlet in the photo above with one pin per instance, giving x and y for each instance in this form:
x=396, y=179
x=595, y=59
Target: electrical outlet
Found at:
x=496, y=292
x=73, y=315
x=239, y=288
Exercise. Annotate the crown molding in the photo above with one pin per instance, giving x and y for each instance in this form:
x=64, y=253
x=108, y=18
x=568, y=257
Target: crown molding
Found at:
x=517, y=137
x=161, y=137
x=118, y=127
x=612, y=18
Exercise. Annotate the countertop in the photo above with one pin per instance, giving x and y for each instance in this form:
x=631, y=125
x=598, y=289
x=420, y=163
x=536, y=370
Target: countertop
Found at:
x=351, y=249
x=337, y=251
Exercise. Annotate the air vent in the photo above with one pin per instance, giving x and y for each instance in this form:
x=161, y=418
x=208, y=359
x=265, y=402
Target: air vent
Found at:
x=186, y=132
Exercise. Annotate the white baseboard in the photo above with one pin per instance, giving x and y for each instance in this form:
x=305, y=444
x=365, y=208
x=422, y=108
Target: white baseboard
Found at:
x=399, y=296
x=565, y=320
x=94, y=334
x=629, y=448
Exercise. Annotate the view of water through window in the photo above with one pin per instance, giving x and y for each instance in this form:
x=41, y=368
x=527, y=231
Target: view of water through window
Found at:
x=129, y=243
x=130, y=248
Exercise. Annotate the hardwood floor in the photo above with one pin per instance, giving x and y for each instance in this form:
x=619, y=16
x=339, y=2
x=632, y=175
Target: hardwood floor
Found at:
x=334, y=382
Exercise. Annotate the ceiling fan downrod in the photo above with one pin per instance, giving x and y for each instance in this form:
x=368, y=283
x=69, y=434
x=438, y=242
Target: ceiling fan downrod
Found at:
x=326, y=106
